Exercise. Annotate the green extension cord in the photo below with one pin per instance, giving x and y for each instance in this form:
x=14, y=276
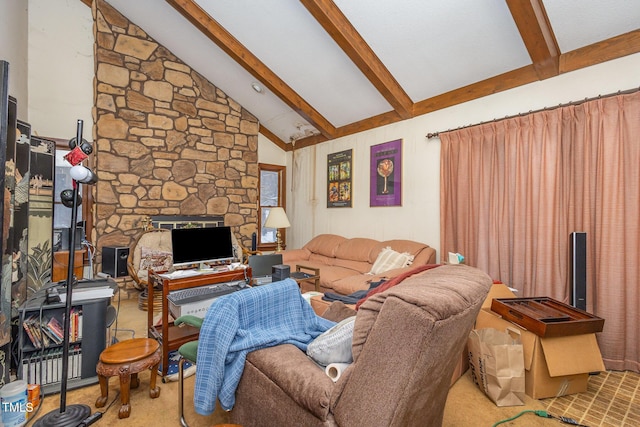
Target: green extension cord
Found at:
x=543, y=414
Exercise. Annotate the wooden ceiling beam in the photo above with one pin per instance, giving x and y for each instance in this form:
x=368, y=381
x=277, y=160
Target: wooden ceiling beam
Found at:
x=351, y=42
x=499, y=83
x=221, y=37
x=606, y=50
x=533, y=24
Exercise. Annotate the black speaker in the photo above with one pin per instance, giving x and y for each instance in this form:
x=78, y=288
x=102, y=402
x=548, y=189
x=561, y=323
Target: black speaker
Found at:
x=114, y=260
x=578, y=246
x=279, y=272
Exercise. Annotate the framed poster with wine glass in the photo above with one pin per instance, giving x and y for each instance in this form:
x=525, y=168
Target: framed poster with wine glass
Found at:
x=386, y=174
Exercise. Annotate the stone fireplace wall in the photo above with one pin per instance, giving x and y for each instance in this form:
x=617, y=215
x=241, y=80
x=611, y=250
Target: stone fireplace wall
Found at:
x=167, y=141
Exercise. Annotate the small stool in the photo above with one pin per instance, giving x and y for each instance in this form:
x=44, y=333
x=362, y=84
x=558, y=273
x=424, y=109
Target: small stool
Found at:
x=125, y=359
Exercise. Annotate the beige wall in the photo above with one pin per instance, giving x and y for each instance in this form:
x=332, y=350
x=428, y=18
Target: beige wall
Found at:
x=417, y=219
x=13, y=48
x=60, y=67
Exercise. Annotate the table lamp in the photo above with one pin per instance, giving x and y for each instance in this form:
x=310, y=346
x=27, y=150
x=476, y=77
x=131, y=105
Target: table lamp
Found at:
x=277, y=219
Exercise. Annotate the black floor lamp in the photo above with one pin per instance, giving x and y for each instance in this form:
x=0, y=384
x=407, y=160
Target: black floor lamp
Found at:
x=71, y=415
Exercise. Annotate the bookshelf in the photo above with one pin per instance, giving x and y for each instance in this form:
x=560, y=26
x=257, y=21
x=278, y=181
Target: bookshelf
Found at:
x=40, y=348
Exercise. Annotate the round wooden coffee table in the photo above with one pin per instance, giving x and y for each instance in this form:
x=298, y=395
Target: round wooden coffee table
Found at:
x=126, y=359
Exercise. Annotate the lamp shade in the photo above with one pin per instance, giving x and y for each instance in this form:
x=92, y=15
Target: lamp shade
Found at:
x=277, y=218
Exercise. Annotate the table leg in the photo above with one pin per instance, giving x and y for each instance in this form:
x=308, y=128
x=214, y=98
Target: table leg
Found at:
x=154, y=391
x=104, y=391
x=135, y=382
x=125, y=380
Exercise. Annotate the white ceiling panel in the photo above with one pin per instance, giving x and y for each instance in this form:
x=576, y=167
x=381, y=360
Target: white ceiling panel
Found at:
x=286, y=38
x=434, y=46
x=579, y=23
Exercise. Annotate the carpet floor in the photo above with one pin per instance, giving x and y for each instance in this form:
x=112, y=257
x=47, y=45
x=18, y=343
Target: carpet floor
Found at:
x=613, y=398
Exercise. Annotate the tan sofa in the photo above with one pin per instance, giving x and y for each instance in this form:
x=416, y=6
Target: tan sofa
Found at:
x=344, y=263
x=406, y=344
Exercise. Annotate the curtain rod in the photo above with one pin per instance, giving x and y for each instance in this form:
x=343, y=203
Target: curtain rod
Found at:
x=432, y=135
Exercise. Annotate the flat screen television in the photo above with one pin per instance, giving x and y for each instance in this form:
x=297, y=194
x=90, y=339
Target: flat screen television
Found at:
x=203, y=246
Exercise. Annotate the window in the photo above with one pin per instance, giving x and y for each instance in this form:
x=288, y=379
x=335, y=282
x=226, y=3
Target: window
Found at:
x=272, y=193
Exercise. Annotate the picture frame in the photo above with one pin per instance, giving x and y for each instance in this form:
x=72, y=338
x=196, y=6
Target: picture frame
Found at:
x=386, y=174
x=340, y=179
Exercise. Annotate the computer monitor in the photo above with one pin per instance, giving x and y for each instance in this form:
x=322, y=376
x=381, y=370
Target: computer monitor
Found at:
x=201, y=246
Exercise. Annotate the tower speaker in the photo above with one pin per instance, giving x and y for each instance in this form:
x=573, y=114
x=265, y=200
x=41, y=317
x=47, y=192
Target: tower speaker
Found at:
x=578, y=245
x=114, y=260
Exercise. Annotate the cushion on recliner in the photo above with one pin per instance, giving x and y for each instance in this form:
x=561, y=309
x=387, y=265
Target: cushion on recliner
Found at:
x=333, y=345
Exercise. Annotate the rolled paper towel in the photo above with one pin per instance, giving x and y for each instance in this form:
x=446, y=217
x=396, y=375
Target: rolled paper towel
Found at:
x=334, y=370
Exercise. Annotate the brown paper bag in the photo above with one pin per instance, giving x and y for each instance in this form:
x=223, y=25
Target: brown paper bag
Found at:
x=496, y=360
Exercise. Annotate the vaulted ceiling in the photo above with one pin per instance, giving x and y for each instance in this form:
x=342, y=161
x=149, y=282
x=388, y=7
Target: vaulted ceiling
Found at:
x=330, y=68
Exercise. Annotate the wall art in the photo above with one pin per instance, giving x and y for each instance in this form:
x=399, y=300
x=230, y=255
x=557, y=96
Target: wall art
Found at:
x=386, y=174
x=339, y=179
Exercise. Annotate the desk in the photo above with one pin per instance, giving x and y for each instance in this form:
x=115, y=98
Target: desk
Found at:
x=171, y=337
x=305, y=273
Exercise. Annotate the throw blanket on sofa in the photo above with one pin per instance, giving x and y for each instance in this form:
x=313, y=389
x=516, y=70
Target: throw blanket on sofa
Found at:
x=241, y=322
x=354, y=297
x=394, y=281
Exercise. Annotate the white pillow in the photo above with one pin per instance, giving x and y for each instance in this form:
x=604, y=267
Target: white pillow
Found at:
x=388, y=259
x=333, y=345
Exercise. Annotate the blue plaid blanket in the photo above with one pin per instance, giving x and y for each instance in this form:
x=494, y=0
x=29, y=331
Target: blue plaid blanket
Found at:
x=244, y=321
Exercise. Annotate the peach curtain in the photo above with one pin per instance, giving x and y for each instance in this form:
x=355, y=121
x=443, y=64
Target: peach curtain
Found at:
x=512, y=191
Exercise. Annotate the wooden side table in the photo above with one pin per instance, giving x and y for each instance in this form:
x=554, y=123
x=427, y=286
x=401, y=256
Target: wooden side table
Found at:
x=304, y=273
x=125, y=360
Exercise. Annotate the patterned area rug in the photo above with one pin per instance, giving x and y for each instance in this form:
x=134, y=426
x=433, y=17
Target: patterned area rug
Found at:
x=611, y=400
x=172, y=371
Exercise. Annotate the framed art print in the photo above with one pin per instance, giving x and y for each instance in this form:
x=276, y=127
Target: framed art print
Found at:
x=386, y=174
x=339, y=180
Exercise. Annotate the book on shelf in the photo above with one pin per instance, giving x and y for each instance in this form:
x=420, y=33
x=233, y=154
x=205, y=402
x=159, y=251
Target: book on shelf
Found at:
x=50, y=331
x=50, y=335
x=75, y=324
x=36, y=332
x=46, y=367
x=54, y=326
x=26, y=325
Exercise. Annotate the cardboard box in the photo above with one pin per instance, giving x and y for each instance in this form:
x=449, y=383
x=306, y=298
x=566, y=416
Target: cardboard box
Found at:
x=554, y=366
x=497, y=290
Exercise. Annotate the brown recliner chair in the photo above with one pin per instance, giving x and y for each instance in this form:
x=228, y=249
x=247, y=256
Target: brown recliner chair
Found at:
x=406, y=343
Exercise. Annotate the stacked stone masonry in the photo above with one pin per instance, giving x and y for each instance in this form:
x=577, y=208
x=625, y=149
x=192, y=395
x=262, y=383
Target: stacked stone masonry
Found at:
x=168, y=142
